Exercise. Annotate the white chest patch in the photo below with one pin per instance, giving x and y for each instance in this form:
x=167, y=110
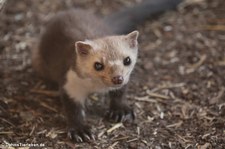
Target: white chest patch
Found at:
x=78, y=88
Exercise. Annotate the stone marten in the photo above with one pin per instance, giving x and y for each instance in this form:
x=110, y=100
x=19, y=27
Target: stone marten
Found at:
x=84, y=54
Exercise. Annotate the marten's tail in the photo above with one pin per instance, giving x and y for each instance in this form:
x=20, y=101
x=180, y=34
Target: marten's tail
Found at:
x=127, y=19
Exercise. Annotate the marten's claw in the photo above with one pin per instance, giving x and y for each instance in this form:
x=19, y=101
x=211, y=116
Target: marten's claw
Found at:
x=121, y=114
x=77, y=138
x=81, y=134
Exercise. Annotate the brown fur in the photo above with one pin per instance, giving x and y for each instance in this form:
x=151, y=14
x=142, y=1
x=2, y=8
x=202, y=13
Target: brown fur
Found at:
x=60, y=35
x=67, y=53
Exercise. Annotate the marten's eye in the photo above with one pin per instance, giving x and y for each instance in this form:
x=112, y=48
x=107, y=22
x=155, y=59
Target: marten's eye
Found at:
x=127, y=61
x=98, y=66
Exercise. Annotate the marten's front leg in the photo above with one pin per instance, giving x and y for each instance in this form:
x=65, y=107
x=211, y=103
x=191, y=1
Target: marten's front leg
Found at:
x=78, y=130
x=119, y=110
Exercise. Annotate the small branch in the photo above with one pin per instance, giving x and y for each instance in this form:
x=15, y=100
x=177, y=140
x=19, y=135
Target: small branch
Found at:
x=116, y=126
x=214, y=27
x=45, y=92
x=157, y=95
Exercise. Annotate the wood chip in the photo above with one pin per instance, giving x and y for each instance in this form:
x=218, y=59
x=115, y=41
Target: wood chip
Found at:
x=132, y=140
x=145, y=142
x=167, y=86
x=32, y=131
x=6, y=132
x=113, y=145
x=215, y=27
x=145, y=99
x=157, y=95
x=205, y=146
x=54, y=133
x=101, y=133
x=48, y=107
x=116, y=126
x=138, y=131
x=45, y=92
x=4, y=120
x=121, y=138
x=178, y=124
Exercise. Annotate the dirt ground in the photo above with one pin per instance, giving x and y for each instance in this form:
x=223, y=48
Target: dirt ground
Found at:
x=177, y=89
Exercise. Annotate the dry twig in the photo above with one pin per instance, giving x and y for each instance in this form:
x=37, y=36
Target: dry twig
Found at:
x=45, y=92
x=116, y=126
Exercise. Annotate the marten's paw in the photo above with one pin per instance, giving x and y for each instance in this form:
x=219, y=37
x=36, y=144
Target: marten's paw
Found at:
x=121, y=113
x=81, y=133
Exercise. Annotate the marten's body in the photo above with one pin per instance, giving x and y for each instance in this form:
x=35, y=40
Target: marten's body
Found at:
x=82, y=55
x=71, y=53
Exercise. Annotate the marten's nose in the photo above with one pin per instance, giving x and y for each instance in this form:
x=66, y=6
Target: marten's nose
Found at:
x=117, y=80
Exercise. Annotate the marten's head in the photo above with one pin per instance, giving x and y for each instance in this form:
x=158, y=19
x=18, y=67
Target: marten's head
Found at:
x=108, y=61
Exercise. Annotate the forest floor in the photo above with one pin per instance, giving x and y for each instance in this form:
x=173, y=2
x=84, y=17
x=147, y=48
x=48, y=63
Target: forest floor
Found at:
x=177, y=89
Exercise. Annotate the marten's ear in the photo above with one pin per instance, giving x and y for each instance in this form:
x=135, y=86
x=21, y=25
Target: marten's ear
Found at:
x=82, y=48
x=132, y=39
